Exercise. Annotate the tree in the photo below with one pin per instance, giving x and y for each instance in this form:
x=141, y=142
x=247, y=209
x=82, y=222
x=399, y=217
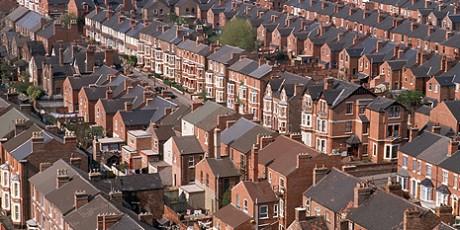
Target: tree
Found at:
x=410, y=99
x=68, y=18
x=34, y=92
x=7, y=72
x=131, y=60
x=239, y=32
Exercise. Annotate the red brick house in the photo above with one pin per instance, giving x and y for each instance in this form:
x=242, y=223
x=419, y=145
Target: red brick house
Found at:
x=290, y=173
x=186, y=153
x=446, y=114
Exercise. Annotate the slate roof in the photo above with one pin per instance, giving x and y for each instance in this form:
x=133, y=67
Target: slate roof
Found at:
x=454, y=108
x=26, y=149
x=381, y=203
x=452, y=163
x=245, y=66
x=428, y=146
x=446, y=81
x=340, y=91
x=226, y=54
x=195, y=47
x=187, y=145
x=379, y=104
x=286, y=162
x=85, y=216
x=17, y=13
x=20, y=139
x=7, y=121
x=138, y=182
x=222, y=167
x=30, y=21
x=260, y=191
x=325, y=191
x=60, y=197
x=205, y=117
x=232, y=216
x=138, y=117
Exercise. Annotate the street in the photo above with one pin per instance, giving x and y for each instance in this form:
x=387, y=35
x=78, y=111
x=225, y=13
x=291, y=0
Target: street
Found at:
x=183, y=99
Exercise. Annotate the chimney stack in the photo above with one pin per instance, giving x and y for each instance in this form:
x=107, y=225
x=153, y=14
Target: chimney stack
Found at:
x=328, y=83
x=108, y=94
x=300, y=214
x=302, y=158
x=61, y=56
x=107, y=220
x=436, y=128
x=362, y=191
x=90, y=58
x=75, y=161
x=109, y=56
x=217, y=143
x=254, y=162
x=19, y=126
x=62, y=177
x=412, y=219
x=146, y=217
x=319, y=173
x=413, y=133
x=128, y=106
x=445, y=214
x=116, y=196
x=453, y=147
x=80, y=198
x=394, y=187
x=44, y=165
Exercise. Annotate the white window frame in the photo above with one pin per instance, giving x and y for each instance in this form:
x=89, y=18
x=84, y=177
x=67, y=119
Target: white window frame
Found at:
x=263, y=215
x=388, y=156
x=445, y=177
x=275, y=210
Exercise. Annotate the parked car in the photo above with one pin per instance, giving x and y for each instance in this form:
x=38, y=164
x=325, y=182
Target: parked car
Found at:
x=168, y=94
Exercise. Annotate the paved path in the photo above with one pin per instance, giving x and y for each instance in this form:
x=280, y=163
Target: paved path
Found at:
x=153, y=82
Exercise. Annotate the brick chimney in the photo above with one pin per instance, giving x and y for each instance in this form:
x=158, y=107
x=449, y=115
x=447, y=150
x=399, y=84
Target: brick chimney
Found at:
x=90, y=58
x=80, y=198
x=44, y=165
x=392, y=186
x=146, y=217
x=254, y=162
x=298, y=89
x=109, y=54
x=19, y=126
x=300, y=214
x=75, y=161
x=70, y=137
x=445, y=214
x=436, y=128
x=62, y=177
x=328, y=83
x=413, y=133
x=217, y=143
x=319, y=173
x=116, y=196
x=196, y=105
x=37, y=137
x=264, y=140
x=108, y=94
x=94, y=175
x=453, y=146
x=412, y=219
x=128, y=106
x=302, y=158
x=107, y=220
x=296, y=137
x=362, y=191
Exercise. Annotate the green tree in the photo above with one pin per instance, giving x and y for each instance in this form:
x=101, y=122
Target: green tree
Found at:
x=226, y=198
x=34, y=92
x=410, y=99
x=68, y=18
x=239, y=32
x=7, y=72
x=131, y=60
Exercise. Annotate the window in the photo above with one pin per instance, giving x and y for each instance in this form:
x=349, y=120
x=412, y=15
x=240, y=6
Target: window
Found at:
x=365, y=128
x=306, y=138
x=306, y=120
x=441, y=198
x=5, y=178
x=238, y=200
x=253, y=97
x=404, y=161
x=281, y=208
x=270, y=177
x=348, y=126
x=394, y=111
x=393, y=130
x=321, y=145
x=426, y=193
x=207, y=179
x=404, y=182
x=281, y=183
x=445, y=177
x=191, y=161
x=16, y=212
x=321, y=125
x=245, y=206
x=391, y=151
x=362, y=109
x=428, y=171
x=275, y=210
x=16, y=189
x=263, y=212
x=455, y=181
x=374, y=149
x=349, y=108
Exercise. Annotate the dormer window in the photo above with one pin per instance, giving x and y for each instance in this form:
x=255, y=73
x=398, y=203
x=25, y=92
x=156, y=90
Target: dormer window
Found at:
x=394, y=111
